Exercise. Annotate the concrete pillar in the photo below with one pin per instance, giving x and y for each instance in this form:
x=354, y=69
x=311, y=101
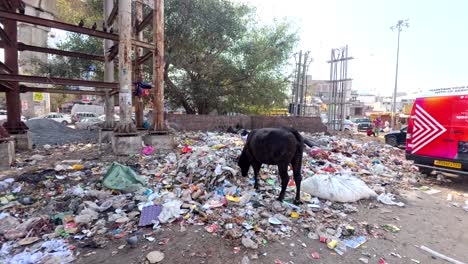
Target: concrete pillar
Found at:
x=125, y=125
x=108, y=70
x=138, y=68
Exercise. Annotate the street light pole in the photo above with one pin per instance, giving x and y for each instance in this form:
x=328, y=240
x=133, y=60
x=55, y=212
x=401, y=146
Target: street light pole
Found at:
x=399, y=26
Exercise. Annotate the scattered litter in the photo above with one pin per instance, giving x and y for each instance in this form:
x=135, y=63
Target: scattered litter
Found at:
x=315, y=255
x=391, y=228
x=364, y=260
x=389, y=199
x=441, y=256
x=356, y=242
x=432, y=191
x=149, y=214
x=155, y=257
x=120, y=177
x=148, y=150
x=94, y=200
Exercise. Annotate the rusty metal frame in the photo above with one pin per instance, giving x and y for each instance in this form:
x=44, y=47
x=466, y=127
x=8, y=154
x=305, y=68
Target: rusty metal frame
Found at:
x=23, y=47
x=4, y=37
x=148, y=55
x=146, y=21
x=59, y=25
x=113, y=14
x=5, y=68
x=69, y=27
x=10, y=79
x=55, y=81
x=25, y=89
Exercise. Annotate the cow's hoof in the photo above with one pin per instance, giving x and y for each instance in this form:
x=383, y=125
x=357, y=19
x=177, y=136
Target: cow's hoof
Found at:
x=297, y=202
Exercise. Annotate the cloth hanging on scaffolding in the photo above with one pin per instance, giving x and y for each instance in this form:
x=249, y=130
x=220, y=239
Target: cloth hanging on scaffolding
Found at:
x=142, y=89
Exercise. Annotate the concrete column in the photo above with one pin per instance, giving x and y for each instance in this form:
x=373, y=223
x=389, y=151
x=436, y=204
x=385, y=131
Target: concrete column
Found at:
x=108, y=70
x=125, y=125
x=138, y=68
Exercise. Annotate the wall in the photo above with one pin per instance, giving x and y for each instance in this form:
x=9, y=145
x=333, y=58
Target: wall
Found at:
x=221, y=123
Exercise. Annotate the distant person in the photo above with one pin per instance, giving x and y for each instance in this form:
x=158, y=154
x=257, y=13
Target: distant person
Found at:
x=370, y=132
x=377, y=123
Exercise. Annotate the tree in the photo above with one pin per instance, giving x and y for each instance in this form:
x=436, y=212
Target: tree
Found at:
x=217, y=58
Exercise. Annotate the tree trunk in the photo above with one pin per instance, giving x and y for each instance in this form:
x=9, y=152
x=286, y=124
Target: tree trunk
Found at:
x=179, y=96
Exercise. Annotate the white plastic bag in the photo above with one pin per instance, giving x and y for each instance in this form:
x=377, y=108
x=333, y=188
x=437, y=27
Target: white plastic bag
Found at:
x=389, y=199
x=170, y=210
x=337, y=188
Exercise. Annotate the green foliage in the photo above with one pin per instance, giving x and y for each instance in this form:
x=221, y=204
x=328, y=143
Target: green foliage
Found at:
x=218, y=59
x=72, y=11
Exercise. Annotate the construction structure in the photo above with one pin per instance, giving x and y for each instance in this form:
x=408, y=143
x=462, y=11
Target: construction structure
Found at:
x=298, y=105
x=339, y=92
x=116, y=46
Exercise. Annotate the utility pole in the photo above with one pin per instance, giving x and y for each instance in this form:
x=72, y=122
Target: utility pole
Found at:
x=399, y=26
x=305, y=68
x=296, y=89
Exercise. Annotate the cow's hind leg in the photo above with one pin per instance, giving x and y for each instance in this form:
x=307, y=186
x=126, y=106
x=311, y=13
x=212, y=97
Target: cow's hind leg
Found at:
x=283, y=172
x=297, y=171
x=256, y=168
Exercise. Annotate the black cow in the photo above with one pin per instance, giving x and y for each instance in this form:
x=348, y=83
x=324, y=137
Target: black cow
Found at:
x=275, y=146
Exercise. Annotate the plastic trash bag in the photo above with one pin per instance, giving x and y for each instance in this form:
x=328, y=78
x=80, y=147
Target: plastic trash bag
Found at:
x=388, y=199
x=337, y=188
x=123, y=178
x=170, y=210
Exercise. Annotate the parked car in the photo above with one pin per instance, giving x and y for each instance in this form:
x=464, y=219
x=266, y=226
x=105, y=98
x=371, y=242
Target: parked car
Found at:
x=89, y=123
x=3, y=116
x=103, y=118
x=58, y=117
x=396, y=138
x=363, y=124
x=80, y=115
x=348, y=125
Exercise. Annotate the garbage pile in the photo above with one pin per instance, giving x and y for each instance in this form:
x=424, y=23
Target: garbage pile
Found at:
x=76, y=204
x=46, y=131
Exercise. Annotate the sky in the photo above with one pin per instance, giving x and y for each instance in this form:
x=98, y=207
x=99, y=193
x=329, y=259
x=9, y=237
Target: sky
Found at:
x=432, y=50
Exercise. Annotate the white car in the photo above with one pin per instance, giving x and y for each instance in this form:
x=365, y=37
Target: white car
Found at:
x=58, y=117
x=348, y=125
x=116, y=118
x=89, y=123
x=3, y=116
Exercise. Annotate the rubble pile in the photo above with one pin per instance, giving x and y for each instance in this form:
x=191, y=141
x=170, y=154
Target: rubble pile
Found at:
x=86, y=203
x=46, y=131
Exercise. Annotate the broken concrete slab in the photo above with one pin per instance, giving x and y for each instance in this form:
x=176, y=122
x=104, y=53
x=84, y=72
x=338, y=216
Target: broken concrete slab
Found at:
x=7, y=153
x=165, y=142
x=126, y=145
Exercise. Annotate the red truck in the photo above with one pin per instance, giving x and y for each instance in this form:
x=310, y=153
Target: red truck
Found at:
x=437, y=135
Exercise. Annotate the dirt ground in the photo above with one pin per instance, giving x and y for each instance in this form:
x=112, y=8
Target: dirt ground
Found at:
x=428, y=220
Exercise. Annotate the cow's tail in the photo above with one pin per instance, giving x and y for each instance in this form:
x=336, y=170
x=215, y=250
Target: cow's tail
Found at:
x=309, y=143
x=300, y=138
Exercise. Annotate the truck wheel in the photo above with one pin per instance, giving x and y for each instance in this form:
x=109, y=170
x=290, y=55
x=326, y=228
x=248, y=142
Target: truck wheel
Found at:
x=392, y=141
x=424, y=170
x=65, y=122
